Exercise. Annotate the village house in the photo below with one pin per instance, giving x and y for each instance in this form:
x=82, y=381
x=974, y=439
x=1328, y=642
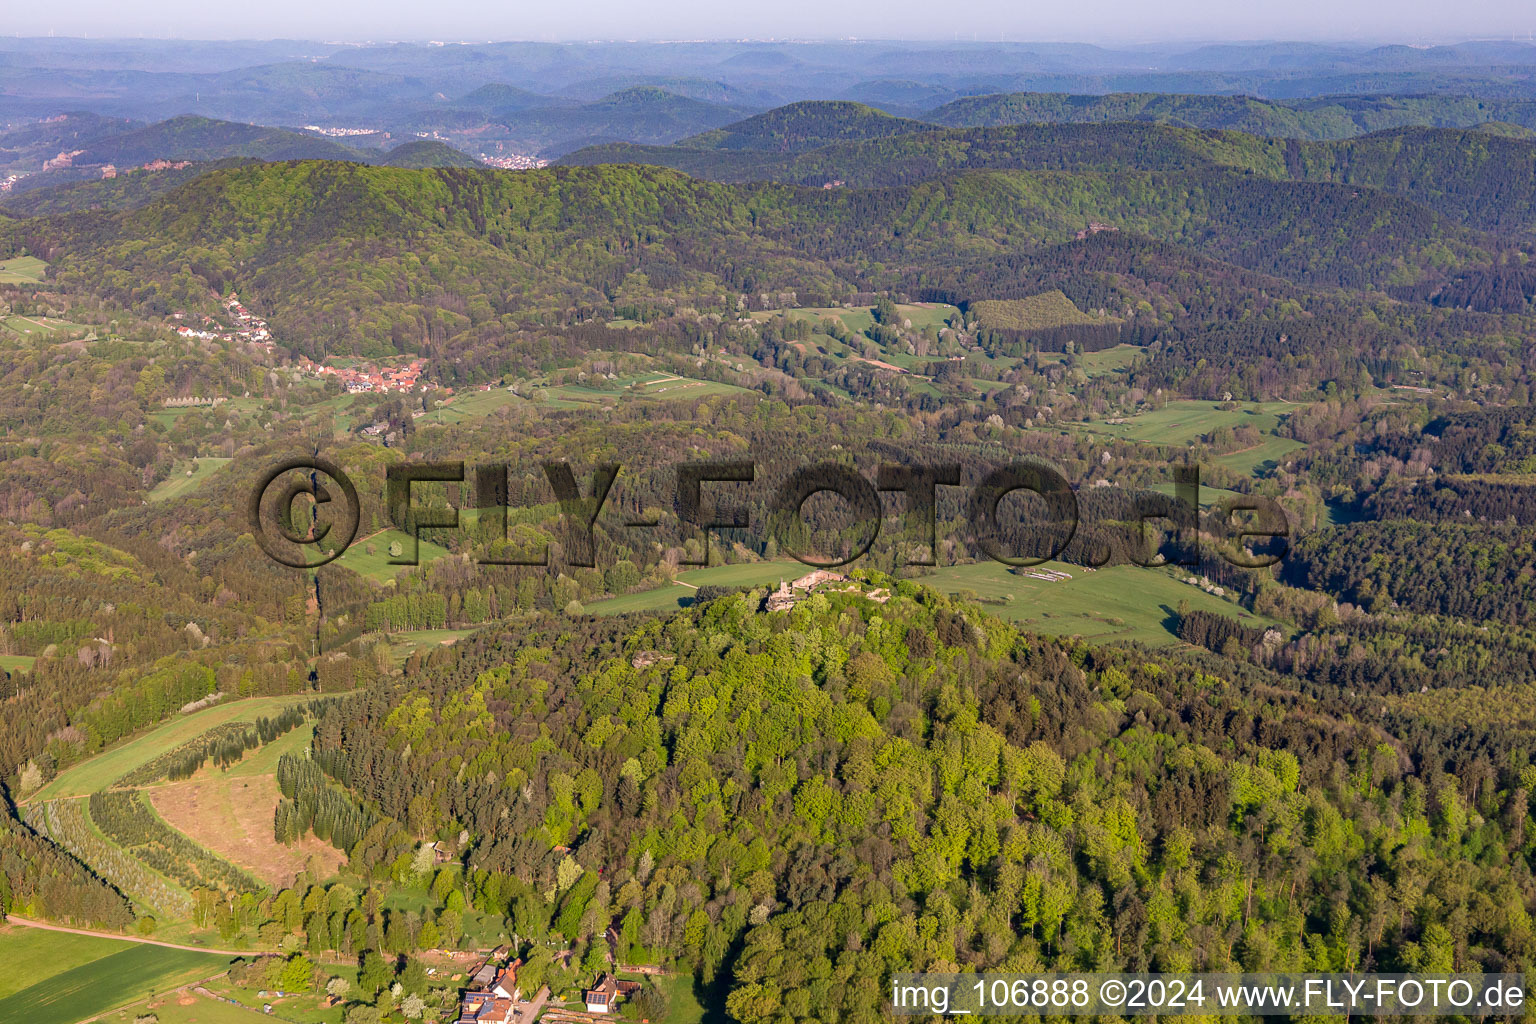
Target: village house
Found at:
x=493, y=993
x=484, y=1008
x=505, y=985
x=606, y=994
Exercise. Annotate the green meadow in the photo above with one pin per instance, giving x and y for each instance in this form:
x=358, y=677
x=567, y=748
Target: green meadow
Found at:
x=1035, y=313
x=1182, y=421
x=1122, y=602
x=186, y=478
x=81, y=992
x=1266, y=455
x=30, y=327
x=370, y=557
x=680, y=593
x=33, y=955
x=22, y=270
x=403, y=644
x=106, y=768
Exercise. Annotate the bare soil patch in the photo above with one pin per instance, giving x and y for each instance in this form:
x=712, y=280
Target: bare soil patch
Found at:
x=232, y=816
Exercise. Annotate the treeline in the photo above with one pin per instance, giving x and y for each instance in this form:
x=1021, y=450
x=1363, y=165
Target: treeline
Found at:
x=155, y=697
x=1453, y=499
x=39, y=879
x=224, y=744
x=1214, y=632
x=1474, y=572
x=422, y=610
x=126, y=818
x=65, y=822
x=312, y=803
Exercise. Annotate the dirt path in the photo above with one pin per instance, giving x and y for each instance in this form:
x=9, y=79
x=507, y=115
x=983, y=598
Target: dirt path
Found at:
x=25, y=923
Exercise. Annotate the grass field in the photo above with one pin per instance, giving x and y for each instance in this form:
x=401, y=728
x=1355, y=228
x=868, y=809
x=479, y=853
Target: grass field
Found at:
x=16, y=662
x=22, y=270
x=472, y=405
x=106, y=768
x=1122, y=602
x=654, y=385
x=231, y=815
x=187, y=1008
x=1183, y=421
x=33, y=955
x=37, y=326
x=677, y=595
x=1268, y=454
x=683, y=1006
x=401, y=645
x=1110, y=360
x=235, y=407
x=131, y=973
x=186, y=478
x=376, y=566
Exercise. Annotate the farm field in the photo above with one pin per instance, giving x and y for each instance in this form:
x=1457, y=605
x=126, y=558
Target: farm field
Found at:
x=1122, y=602
x=16, y=662
x=68, y=823
x=101, y=771
x=186, y=478
x=232, y=816
x=103, y=983
x=22, y=270
x=187, y=1008
x=674, y=595
x=37, y=326
x=471, y=405
x=34, y=955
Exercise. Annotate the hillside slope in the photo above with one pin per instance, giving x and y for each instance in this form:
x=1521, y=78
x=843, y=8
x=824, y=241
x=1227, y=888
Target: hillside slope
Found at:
x=299, y=234
x=808, y=125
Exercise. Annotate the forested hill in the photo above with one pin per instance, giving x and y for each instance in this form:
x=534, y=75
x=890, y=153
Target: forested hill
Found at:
x=1486, y=181
x=1321, y=117
x=427, y=153
x=808, y=125
x=205, y=138
x=798, y=804
x=295, y=237
x=127, y=191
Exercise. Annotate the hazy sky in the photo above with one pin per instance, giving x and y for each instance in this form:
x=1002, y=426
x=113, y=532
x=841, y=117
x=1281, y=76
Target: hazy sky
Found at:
x=1087, y=20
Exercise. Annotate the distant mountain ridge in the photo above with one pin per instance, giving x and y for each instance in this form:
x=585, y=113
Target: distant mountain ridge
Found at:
x=808, y=125
x=1485, y=180
x=1320, y=118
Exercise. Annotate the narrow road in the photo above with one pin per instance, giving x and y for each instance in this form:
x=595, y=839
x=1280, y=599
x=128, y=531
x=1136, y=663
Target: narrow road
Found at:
x=13, y=919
